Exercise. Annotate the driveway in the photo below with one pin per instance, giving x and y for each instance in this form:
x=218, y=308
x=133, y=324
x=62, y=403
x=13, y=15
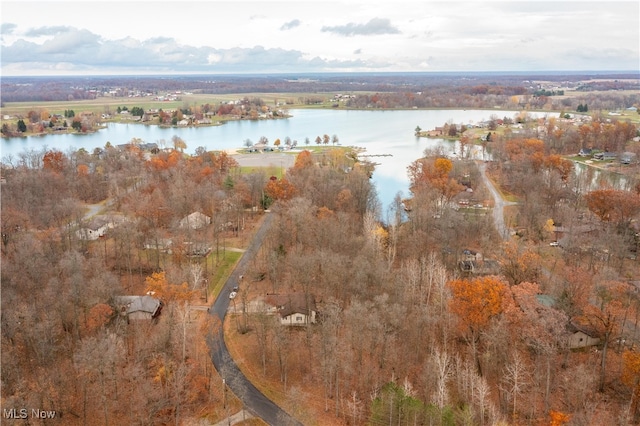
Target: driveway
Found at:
x=254, y=401
x=499, y=204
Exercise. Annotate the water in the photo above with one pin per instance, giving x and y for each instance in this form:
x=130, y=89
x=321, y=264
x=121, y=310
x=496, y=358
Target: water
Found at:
x=379, y=132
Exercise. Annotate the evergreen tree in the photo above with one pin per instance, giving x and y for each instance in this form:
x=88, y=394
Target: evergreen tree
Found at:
x=21, y=126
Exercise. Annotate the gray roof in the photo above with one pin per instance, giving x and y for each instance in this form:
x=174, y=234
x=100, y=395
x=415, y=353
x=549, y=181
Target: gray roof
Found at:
x=139, y=304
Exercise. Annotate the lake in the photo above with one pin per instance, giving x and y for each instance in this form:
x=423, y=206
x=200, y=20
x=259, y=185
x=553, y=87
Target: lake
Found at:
x=379, y=132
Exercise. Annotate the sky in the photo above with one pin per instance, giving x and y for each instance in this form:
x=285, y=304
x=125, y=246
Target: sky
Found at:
x=308, y=36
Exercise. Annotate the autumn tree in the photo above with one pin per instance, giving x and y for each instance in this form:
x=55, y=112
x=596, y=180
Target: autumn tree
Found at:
x=434, y=173
x=54, y=161
x=613, y=205
x=280, y=189
x=605, y=314
x=631, y=378
x=519, y=264
x=476, y=302
x=158, y=284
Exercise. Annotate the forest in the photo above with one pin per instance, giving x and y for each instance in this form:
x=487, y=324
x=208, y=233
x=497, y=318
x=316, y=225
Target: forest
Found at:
x=433, y=316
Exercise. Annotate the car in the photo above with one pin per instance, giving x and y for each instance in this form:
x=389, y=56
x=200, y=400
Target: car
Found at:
x=232, y=295
x=554, y=244
x=235, y=289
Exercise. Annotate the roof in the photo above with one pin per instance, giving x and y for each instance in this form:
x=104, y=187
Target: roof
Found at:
x=195, y=220
x=575, y=327
x=293, y=303
x=139, y=304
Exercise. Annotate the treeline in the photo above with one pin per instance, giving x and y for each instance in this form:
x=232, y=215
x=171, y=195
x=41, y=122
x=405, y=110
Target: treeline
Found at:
x=23, y=89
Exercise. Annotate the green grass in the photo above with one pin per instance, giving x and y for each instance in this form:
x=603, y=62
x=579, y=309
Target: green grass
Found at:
x=226, y=262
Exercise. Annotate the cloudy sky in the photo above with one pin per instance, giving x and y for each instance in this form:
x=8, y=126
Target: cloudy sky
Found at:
x=167, y=37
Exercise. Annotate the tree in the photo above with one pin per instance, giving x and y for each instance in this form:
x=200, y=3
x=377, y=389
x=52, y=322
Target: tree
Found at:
x=304, y=160
x=54, y=161
x=613, y=205
x=606, y=316
x=631, y=378
x=21, y=126
x=280, y=189
x=515, y=380
x=476, y=303
x=519, y=264
x=178, y=143
x=76, y=124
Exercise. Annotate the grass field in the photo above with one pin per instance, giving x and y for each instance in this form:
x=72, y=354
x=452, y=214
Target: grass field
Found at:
x=108, y=104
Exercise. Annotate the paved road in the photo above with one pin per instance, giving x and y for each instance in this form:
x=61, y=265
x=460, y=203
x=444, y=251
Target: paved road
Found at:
x=253, y=399
x=499, y=204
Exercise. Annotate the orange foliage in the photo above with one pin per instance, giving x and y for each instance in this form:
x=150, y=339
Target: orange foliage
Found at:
x=434, y=173
x=157, y=284
x=83, y=169
x=563, y=166
x=325, y=213
x=477, y=301
x=98, y=316
x=303, y=160
x=280, y=189
x=631, y=376
x=54, y=161
x=518, y=264
x=521, y=150
x=612, y=205
x=558, y=418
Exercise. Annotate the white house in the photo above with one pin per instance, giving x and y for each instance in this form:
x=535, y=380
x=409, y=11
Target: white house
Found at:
x=98, y=226
x=294, y=308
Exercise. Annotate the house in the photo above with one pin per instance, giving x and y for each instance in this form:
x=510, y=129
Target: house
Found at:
x=585, y=152
x=138, y=307
x=161, y=244
x=581, y=336
x=294, y=308
x=480, y=267
x=628, y=157
x=97, y=227
x=605, y=156
x=195, y=220
x=192, y=249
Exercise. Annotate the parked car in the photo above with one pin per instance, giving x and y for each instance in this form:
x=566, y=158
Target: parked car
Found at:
x=233, y=295
x=554, y=244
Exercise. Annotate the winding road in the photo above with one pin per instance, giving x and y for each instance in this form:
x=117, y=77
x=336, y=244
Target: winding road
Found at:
x=254, y=400
x=499, y=203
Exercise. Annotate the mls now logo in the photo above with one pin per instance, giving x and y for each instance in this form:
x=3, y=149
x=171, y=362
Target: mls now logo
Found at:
x=14, y=413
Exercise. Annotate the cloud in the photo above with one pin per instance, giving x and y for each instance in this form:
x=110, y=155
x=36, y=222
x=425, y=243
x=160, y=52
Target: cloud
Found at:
x=82, y=51
x=376, y=26
x=47, y=31
x=7, y=28
x=290, y=25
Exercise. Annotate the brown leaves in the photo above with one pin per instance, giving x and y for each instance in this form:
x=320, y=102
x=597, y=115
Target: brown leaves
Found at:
x=477, y=301
x=54, y=161
x=613, y=205
x=157, y=284
x=280, y=189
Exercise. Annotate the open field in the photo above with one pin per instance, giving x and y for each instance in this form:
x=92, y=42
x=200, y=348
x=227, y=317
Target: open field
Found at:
x=110, y=104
